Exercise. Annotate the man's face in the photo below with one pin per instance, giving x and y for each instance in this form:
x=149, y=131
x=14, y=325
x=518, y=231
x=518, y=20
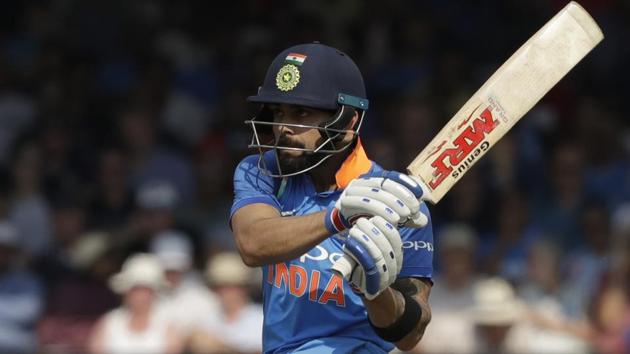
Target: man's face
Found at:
x=298, y=137
x=139, y=297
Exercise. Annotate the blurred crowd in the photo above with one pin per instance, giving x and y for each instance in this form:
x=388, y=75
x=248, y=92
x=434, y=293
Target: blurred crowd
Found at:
x=121, y=123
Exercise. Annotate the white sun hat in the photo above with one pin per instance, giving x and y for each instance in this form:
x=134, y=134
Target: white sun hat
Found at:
x=227, y=268
x=140, y=269
x=495, y=303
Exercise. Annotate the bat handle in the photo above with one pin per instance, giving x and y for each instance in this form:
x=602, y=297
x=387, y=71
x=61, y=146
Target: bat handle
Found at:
x=344, y=266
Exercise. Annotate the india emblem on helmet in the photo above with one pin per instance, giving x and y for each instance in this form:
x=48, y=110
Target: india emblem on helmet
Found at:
x=288, y=77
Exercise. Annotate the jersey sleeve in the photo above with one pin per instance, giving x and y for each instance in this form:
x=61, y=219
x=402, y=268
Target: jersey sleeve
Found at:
x=417, y=250
x=252, y=186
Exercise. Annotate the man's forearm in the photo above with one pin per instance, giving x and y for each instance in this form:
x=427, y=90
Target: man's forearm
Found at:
x=386, y=308
x=276, y=239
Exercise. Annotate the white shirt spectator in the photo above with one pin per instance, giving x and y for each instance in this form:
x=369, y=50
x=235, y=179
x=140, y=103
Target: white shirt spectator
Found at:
x=238, y=326
x=187, y=301
x=119, y=339
x=243, y=333
x=189, y=304
x=137, y=326
x=449, y=320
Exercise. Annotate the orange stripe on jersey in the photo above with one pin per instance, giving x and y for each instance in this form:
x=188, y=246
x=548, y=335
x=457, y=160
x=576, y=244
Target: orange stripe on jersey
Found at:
x=355, y=165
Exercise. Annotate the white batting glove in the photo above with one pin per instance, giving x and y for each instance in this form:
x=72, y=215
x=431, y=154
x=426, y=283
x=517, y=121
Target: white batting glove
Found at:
x=376, y=248
x=395, y=197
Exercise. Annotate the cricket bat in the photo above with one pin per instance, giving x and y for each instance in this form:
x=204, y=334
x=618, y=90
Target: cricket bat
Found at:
x=502, y=101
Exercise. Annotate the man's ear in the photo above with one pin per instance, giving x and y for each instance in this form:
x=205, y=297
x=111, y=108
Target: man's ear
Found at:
x=354, y=121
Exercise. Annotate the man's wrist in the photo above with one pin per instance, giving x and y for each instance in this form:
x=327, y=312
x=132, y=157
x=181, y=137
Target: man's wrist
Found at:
x=386, y=308
x=334, y=221
x=403, y=323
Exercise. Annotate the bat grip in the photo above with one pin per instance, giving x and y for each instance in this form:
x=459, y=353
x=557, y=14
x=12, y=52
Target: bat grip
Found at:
x=343, y=266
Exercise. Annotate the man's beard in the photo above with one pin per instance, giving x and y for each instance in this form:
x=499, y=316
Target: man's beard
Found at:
x=291, y=164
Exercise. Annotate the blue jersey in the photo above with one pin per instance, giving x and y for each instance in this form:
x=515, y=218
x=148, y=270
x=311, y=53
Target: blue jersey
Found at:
x=308, y=308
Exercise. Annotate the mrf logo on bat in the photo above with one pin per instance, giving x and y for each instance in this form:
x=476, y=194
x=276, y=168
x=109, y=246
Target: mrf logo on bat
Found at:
x=467, y=146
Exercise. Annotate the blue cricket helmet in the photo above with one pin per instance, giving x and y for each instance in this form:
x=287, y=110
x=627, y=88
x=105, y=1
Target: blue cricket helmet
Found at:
x=313, y=75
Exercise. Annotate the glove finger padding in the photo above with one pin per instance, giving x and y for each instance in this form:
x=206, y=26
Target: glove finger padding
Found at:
x=396, y=189
x=375, y=267
x=354, y=207
x=393, y=237
x=417, y=187
x=381, y=195
x=402, y=187
x=403, y=193
x=412, y=183
x=382, y=242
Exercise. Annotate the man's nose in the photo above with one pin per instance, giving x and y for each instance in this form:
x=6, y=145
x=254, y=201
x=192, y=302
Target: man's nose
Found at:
x=286, y=130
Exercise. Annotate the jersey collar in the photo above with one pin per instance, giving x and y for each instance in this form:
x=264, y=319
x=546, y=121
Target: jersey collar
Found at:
x=355, y=165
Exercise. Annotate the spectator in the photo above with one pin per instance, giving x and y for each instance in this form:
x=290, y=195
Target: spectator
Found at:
x=112, y=202
x=612, y=322
x=137, y=326
x=148, y=159
x=29, y=211
x=588, y=265
x=548, y=309
x=156, y=202
x=605, y=165
x=186, y=301
x=452, y=293
x=21, y=296
x=504, y=251
x=17, y=113
x=209, y=214
x=620, y=247
x=237, y=327
x=77, y=293
x=68, y=227
x=498, y=317
x=155, y=206
x=558, y=209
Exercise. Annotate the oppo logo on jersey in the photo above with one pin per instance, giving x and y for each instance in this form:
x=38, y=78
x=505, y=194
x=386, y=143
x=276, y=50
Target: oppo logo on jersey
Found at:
x=467, y=148
x=321, y=254
x=418, y=245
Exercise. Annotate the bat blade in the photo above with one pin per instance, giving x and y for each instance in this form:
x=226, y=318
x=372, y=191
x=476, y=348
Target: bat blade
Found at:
x=505, y=98
x=502, y=101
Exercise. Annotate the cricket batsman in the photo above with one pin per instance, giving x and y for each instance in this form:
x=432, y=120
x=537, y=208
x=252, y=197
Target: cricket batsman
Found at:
x=312, y=197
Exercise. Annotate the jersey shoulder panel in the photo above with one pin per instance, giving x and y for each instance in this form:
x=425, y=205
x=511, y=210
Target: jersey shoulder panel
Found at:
x=252, y=185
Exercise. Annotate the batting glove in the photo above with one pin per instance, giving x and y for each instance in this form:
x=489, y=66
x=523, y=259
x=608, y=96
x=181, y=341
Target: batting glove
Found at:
x=376, y=248
x=395, y=197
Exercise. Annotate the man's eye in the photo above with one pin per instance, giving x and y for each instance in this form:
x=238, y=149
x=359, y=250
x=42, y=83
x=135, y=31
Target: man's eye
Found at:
x=302, y=113
x=277, y=114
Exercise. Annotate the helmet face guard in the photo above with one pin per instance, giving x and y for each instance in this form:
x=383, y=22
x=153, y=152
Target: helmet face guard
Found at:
x=331, y=133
